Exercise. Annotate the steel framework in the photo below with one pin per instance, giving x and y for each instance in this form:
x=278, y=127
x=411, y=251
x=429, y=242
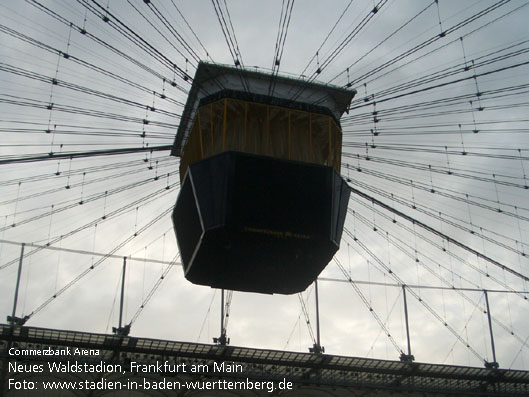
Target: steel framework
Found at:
x=322, y=374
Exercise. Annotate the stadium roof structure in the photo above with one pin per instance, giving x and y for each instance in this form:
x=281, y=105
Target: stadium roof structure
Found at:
x=311, y=374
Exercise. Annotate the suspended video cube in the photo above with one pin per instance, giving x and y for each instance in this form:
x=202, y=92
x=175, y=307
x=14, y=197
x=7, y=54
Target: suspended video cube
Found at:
x=262, y=204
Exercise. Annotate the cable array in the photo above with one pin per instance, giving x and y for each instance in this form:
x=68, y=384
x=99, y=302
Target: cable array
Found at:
x=435, y=152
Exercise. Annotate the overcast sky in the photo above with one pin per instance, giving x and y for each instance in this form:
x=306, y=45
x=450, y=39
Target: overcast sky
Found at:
x=472, y=152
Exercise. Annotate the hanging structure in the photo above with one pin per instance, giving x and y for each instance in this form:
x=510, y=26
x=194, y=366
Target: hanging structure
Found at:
x=262, y=204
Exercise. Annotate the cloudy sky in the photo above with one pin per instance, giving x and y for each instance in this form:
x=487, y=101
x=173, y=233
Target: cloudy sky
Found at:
x=447, y=84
